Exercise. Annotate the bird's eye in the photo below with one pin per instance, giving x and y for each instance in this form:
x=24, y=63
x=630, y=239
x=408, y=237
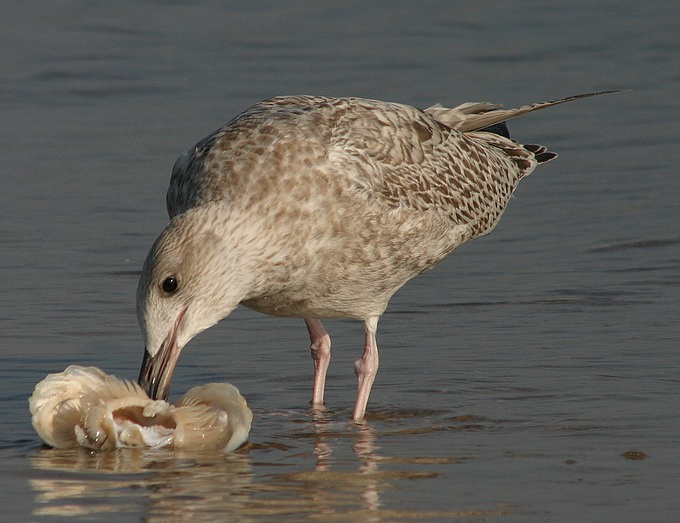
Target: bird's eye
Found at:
x=170, y=284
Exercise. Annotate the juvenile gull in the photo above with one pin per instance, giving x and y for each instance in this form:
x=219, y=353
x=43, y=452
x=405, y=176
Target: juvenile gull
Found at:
x=314, y=207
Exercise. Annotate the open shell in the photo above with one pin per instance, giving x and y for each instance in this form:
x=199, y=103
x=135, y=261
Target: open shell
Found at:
x=84, y=406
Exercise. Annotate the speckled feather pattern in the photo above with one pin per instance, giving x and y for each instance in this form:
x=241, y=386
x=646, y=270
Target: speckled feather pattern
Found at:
x=393, y=152
x=334, y=204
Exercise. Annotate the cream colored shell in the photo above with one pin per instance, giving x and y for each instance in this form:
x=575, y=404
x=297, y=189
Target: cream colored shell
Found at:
x=84, y=406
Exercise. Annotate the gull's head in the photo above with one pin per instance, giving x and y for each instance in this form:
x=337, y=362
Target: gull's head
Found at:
x=189, y=282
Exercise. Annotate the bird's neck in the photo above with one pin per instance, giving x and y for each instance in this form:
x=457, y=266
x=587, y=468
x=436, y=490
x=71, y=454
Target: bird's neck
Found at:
x=250, y=256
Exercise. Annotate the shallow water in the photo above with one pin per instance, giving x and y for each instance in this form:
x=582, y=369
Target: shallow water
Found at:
x=532, y=376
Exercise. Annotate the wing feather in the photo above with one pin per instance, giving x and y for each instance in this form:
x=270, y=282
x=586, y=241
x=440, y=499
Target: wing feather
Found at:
x=438, y=160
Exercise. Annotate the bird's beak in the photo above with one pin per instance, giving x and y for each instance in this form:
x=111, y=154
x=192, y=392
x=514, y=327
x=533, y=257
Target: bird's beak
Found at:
x=157, y=369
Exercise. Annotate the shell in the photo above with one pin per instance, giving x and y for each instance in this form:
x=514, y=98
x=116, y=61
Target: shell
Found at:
x=83, y=406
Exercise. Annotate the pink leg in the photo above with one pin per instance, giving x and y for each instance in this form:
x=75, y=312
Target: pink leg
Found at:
x=321, y=354
x=366, y=368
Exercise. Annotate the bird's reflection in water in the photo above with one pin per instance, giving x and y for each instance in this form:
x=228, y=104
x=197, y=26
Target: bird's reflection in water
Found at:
x=366, y=449
x=322, y=466
x=324, y=479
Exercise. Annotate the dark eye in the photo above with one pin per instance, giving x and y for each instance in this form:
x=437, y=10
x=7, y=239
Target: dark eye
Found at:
x=170, y=284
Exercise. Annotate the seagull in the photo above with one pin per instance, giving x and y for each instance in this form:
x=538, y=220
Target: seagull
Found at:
x=314, y=207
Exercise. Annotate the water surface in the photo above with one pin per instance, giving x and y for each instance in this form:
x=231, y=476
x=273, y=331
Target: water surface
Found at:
x=532, y=376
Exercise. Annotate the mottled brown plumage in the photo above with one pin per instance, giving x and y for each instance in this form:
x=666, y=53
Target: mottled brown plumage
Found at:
x=318, y=207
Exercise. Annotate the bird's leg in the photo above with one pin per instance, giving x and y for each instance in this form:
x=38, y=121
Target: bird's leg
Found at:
x=321, y=354
x=366, y=368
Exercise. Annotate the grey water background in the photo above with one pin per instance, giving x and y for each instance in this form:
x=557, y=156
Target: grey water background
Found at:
x=532, y=376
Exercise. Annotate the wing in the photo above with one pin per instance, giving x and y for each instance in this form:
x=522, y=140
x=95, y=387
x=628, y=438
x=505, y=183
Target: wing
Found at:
x=437, y=160
x=454, y=161
x=412, y=160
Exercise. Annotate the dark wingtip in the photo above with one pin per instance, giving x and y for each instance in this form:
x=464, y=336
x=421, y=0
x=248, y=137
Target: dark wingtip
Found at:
x=545, y=157
x=540, y=152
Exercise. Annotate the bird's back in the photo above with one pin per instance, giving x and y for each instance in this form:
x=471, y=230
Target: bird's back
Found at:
x=395, y=154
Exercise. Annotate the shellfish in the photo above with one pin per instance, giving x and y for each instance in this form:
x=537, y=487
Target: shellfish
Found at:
x=87, y=407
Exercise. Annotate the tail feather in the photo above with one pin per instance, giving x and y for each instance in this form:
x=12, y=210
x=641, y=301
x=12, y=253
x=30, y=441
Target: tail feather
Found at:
x=474, y=116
